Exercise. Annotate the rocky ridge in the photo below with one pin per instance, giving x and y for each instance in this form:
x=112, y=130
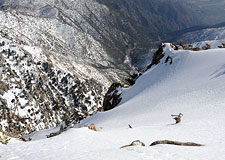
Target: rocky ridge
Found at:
x=114, y=97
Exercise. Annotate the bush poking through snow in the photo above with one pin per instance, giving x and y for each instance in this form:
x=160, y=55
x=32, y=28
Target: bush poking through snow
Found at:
x=4, y=139
x=206, y=47
x=177, y=117
x=93, y=127
x=182, y=43
x=24, y=140
x=62, y=129
x=222, y=46
x=134, y=143
x=196, y=49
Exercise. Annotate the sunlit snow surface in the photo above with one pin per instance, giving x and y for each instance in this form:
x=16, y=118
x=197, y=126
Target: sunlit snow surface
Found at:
x=194, y=84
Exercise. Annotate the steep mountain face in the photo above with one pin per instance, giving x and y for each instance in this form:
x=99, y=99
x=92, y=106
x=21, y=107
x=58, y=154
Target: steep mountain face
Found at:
x=59, y=57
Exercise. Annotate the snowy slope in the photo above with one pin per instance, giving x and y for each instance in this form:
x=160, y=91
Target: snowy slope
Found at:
x=193, y=85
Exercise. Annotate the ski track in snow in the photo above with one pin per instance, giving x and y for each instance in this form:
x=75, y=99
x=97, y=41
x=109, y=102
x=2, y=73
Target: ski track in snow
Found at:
x=190, y=85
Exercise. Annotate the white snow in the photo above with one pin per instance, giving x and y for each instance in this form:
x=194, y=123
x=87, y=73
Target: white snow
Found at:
x=194, y=84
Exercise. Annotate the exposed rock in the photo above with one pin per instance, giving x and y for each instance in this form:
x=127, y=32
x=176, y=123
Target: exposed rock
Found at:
x=130, y=126
x=169, y=59
x=112, y=97
x=175, y=143
x=159, y=54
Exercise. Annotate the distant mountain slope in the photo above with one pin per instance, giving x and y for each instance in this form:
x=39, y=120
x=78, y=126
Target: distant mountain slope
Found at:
x=124, y=29
x=68, y=29
x=212, y=10
x=213, y=36
x=148, y=22
x=208, y=34
x=192, y=84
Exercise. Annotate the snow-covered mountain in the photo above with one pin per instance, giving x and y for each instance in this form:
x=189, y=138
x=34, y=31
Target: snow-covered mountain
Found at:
x=189, y=82
x=64, y=28
x=53, y=65
x=58, y=58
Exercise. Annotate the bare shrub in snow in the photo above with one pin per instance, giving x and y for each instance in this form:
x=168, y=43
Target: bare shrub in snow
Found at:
x=206, y=47
x=4, y=139
x=177, y=117
x=196, y=49
x=175, y=143
x=222, y=46
x=182, y=43
x=134, y=143
x=93, y=127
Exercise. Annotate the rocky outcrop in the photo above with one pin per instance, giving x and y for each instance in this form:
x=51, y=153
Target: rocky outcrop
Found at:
x=112, y=97
x=159, y=54
x=176, y=143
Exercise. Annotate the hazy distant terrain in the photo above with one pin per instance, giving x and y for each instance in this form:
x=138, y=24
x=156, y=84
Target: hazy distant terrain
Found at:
x=214, y=10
